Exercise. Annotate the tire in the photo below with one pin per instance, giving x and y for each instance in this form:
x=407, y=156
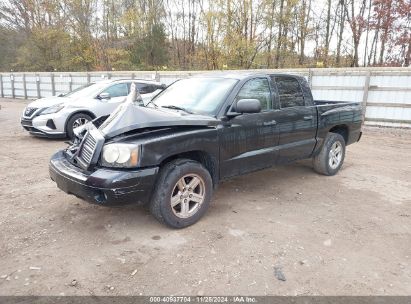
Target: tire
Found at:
x=328, y=161
x=71, y=123
x=187, y=209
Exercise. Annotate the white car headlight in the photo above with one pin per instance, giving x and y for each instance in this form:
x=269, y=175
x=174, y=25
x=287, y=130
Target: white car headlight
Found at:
x=120, y=155
x=52, y=109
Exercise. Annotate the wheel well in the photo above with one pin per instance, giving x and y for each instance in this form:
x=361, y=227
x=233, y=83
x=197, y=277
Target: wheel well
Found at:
x=342, y=130
x=78, y=112
x=209, y=162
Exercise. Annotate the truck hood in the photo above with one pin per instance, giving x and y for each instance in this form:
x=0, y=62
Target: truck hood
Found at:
x=130, y=117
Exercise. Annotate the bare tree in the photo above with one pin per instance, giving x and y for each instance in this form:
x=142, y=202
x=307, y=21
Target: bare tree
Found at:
x=304, y=19
x=357, y=25
x=341, y=23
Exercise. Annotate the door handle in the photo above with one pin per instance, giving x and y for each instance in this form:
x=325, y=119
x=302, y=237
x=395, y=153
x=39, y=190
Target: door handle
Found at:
x=310, y=117
x=270, y=123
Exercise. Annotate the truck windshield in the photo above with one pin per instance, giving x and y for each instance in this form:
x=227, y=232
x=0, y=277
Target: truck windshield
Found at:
x=196, y=95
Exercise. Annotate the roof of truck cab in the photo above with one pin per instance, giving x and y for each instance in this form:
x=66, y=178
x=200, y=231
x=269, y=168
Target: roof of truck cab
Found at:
x=240, y=75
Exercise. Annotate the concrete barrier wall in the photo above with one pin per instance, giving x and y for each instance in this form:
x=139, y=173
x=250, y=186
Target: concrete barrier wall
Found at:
x=386, y=92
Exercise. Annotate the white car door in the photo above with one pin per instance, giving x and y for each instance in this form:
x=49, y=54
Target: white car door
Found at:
x=117, y=94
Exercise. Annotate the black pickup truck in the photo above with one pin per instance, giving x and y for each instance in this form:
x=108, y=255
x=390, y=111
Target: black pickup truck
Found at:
x=171, y=153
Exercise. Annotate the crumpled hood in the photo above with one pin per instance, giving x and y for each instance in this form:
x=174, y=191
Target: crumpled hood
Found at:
x=130, y=116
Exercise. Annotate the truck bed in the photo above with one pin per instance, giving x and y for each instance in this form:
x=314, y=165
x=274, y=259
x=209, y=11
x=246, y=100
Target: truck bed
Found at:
x=335, y=113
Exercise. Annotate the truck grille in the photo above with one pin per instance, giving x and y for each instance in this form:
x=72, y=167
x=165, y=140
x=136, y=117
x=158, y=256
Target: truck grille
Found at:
x=29, y=111
x=86, y=154
x=88, y=148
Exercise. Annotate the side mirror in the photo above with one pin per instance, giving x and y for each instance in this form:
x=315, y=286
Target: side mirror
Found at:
x=163, y=86
x=104, y=95
x=248, y=106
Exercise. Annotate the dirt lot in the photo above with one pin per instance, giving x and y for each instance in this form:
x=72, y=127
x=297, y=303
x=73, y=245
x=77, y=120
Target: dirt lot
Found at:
x=348, y=235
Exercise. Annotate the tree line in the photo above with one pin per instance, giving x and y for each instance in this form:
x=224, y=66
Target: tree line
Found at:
x=79, y=35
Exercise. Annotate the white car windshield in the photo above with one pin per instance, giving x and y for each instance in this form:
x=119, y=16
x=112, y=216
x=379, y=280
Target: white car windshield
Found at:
x=196, y=95
x=87, y=90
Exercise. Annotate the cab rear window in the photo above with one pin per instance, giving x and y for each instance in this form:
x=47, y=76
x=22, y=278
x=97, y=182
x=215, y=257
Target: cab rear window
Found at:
x=289, y=91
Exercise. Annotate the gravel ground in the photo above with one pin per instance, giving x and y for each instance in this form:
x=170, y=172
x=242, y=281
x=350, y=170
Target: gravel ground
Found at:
x=281, y=231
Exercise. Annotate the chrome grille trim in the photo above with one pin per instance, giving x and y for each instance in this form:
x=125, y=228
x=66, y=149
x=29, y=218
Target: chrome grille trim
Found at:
x=28, y=111
x=88, y=148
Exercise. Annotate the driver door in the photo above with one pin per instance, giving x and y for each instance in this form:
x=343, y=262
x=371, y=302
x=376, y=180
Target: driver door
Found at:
x=249, y=141
x=118, y=94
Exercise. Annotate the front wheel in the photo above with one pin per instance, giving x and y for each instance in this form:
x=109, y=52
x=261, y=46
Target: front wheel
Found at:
x=182, y=194
x=75, y=121
x=331, y=156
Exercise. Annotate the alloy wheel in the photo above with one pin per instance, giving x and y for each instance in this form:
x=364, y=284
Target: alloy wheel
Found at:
x=335, y=155
x=187, y=196
x=79, y=122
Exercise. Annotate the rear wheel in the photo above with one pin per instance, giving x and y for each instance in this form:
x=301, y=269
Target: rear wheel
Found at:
x=331, y=156
x=75, y=121
x=182, y=194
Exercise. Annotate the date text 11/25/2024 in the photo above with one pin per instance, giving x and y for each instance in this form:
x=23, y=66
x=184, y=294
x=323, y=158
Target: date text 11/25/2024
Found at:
x=203, y=299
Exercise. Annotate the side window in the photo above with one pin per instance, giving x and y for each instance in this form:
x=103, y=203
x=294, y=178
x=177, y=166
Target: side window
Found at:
x=145, y=88
x=117, y=90
x=258, y=88
x=289, y=91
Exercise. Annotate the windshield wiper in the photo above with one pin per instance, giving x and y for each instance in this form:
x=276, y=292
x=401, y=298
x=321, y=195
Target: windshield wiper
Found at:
x=152, y=102
x=177, y=108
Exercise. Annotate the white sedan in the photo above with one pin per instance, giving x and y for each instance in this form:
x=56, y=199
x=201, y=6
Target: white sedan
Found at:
x=57, y=116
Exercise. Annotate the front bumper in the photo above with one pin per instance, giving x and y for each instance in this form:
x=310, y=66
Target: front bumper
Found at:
x=103, y=186
x=41, y=131
x=49, y=125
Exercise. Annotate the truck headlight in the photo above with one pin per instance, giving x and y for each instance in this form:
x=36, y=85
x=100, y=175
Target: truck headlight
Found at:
x=120, y=155
x=52, y=109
